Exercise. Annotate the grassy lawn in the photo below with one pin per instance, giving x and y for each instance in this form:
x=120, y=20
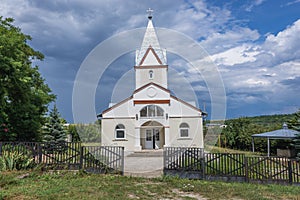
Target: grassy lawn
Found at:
x=215, y=149
x=78, y=185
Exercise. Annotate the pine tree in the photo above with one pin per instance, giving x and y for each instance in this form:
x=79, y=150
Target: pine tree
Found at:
x=295, y=124
x=54, y=130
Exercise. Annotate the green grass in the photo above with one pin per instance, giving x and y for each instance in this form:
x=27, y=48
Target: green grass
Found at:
x=91, y=144
x=215, y=149
x=78, y=185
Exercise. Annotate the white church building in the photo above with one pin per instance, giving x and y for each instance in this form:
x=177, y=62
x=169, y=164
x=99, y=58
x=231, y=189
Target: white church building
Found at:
x=152, y=118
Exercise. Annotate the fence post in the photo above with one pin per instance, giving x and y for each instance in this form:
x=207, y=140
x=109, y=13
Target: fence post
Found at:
x=290, y=171
x=81, y=157
x=123, y=168
x=0, y=148
x=246, y=169
x=40, y=153
x=203, y=166
x=164, y=158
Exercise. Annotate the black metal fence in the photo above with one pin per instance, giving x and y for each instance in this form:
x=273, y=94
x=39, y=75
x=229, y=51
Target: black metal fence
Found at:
x=70, y=155
x=195, y=164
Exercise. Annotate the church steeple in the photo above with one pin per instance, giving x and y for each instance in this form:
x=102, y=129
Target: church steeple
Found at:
x=150, y=41
x=151, y=60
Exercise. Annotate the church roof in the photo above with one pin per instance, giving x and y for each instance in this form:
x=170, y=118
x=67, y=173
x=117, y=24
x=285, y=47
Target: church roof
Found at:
x=151, y=83
x=151, y=41
x=145, y=86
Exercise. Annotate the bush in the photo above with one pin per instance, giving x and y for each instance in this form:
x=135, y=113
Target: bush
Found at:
x=15, y=160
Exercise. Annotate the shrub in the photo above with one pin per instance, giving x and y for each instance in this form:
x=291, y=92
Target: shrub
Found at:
x=14, y=160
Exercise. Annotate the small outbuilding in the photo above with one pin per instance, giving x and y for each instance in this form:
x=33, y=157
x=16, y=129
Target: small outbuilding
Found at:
x=281, y=134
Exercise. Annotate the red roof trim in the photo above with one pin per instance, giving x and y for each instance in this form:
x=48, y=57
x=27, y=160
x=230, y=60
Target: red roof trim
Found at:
x=147, y=52
x=118, y=104
x=187, y=104
x=159, y=101
x=151, y=67
x=148, y=84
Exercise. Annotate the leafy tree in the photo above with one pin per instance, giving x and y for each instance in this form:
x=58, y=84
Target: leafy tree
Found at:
x=54, y=129
x=85, y=132
x=73, y=132
x=238, y=133
x=24, y=97
x=89, y=132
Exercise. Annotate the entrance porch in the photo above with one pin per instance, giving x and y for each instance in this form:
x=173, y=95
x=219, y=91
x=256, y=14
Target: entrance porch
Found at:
x=152, y=135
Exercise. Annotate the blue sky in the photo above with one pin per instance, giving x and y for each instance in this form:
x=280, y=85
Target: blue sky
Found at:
x=254, y=43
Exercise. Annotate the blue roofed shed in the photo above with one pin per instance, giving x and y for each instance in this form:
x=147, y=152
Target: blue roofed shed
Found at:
x=281, y=134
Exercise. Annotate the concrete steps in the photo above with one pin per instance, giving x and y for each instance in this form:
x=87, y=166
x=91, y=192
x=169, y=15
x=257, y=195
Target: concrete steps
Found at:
x=147, y=153
x=145, y=163
x=145, y=174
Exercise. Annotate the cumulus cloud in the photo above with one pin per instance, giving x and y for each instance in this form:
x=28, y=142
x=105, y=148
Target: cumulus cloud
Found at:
x=256, y=69
x=237, y=55
x=286, y=44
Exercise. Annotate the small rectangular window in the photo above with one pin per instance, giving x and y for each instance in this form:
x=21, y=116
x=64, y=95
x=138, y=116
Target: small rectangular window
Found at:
x=149, y=135
x=151, y=111
x=143, y=112
x=120, y=134
x=184, y=132
x=150, y=74
x=157, y=136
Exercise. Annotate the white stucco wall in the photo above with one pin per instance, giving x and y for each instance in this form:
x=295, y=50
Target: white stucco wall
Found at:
x=108, y=133
x=195, y=138
x=151, y=92
x=125, y=109
x=175, y=113
x=159, y=77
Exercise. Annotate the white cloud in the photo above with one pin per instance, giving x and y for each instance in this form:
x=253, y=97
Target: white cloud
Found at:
x=253, y=4
x=198, y=20
x=270, y=70
x=254, y=69
x=285, y=45
x=237, y=55
x=293, y=2
x=218, y=42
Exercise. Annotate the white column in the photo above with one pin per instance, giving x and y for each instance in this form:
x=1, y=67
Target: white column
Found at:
x=167, y=137
x=137, y=146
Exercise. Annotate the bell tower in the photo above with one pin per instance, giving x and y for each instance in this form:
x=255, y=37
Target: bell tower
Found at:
x=150, y=60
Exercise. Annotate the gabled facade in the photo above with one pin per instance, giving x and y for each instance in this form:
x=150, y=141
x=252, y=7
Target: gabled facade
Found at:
x=151, y=117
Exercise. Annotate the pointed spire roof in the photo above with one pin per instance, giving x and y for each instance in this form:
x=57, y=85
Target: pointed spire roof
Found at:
x=150, y=41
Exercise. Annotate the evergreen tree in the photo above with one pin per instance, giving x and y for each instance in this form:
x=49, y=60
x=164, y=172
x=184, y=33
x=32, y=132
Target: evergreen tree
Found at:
x=54, y=130
x=295, y=124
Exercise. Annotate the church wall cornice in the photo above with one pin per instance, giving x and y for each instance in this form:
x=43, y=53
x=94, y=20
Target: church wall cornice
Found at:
x=151, y=67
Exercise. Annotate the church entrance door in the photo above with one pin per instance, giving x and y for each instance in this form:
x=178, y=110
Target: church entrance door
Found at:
x=152, y=139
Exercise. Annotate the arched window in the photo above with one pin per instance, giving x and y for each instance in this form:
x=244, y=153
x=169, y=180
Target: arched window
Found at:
x=150, y=74
x=152, y=111
x=120, y=131
x=184, y=130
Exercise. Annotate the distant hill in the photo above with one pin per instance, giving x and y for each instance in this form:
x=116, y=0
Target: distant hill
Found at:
x=275, y=121
x=271, y=121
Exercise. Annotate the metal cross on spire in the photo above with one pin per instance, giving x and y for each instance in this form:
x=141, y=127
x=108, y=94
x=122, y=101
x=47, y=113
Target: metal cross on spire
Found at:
x=149, y=11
